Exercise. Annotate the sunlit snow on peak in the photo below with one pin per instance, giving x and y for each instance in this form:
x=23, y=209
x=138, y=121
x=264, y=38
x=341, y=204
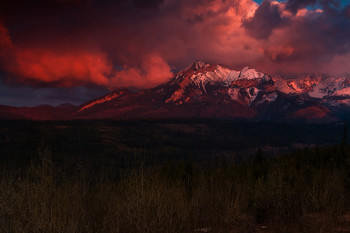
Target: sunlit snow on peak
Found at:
x=247, y=73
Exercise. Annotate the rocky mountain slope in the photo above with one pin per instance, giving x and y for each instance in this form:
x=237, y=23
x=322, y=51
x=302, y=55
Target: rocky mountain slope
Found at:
x=210, y=90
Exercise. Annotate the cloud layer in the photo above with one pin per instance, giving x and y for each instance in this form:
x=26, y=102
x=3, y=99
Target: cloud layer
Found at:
x=131, y=43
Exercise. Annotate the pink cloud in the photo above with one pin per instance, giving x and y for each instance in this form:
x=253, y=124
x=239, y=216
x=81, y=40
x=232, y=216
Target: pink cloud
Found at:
x=153, y=71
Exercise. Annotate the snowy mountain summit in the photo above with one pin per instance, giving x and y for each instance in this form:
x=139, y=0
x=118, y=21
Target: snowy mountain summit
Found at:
x=250, y=74
x=205, y=87
x=202, y=74
x=212, y=90
x=202, y=81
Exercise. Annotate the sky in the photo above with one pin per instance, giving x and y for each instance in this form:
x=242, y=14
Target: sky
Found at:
x=342, y=3
x=58, y=51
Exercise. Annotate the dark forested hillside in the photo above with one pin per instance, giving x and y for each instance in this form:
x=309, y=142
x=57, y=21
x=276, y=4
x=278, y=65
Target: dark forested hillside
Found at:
x=173, y=176
x=160, y=139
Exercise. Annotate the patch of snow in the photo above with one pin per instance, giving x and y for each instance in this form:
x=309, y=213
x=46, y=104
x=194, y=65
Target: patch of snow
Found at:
x=282, y=86
x=249, y=74
x=100, y=101
x=342, y=92
x=295, y=86
x=318, y=86
x=222, y=76
x=318, y=91
x=176, y=95
x=230, y=75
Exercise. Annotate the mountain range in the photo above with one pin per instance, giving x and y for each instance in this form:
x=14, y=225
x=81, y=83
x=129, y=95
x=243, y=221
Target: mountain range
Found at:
x=212, y=91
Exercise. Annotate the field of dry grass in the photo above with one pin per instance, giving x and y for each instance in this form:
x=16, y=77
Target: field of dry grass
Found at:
x=307, y=191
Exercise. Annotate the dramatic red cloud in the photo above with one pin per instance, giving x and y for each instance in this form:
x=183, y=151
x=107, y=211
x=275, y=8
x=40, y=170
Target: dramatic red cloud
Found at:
x=65, y=69
x=53, y=67
x=132, y=44
x=154, y=70
x=72, y=68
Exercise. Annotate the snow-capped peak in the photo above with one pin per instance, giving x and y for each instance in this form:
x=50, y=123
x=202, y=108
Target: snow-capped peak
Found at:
x=212, y=74
x=200, y=76
x=247, y=73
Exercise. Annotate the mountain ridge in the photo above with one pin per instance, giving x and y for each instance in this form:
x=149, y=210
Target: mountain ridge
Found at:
x=211, y=90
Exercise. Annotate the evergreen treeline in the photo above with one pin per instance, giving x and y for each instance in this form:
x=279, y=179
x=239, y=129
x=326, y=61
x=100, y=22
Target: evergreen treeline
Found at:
x=305, y=191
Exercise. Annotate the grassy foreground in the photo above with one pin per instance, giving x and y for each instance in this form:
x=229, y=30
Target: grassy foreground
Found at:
x=307, y=191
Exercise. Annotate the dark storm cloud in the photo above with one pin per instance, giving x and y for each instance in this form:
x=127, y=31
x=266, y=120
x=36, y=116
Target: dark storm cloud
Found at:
x=311, y=41
x=269, y=16
x=315, y=35
x=266, y=18
x=21, y=95
x=68, y=43
x=10, y=7
x=147, y=4
x=134, y=43
x=295, y=5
